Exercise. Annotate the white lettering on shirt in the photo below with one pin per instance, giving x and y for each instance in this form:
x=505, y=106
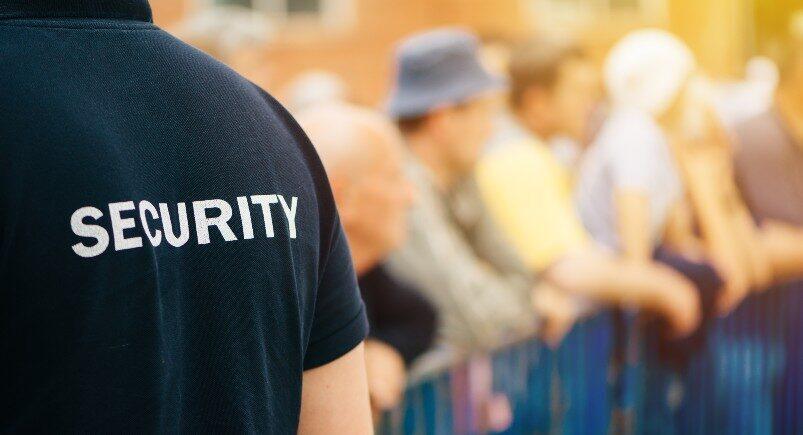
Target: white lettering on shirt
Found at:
x=129, y=221
x=145, y=206
x=265, y=201
x=290, y=212
x=84, y=230
x=203, y=222
x=183, y=225
x=120, y=224
x=245, y=216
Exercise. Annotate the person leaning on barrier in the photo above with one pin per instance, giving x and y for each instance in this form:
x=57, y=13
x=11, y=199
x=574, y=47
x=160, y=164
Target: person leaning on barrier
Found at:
x=751, y=256
x=172, y=259
x=361, y=151
x=664, y=140
x=629, y=193
x=443, y=101
x=529, y=195
x=768, y=160
x=669, y=122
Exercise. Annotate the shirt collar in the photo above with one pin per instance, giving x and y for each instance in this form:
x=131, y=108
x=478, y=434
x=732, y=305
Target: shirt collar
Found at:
x=138, y=10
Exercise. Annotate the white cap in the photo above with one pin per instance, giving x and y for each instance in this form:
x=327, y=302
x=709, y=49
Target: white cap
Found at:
x=647, y=69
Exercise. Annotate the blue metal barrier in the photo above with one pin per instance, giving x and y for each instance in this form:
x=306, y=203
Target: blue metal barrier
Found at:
x=731, y=386
x=606, y=377
x=567, y=389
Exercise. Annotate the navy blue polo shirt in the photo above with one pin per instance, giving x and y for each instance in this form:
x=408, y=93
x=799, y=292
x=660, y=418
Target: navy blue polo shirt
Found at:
x=171, y=258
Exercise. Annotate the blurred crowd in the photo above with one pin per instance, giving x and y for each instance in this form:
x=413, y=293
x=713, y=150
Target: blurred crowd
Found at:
x=506, y=190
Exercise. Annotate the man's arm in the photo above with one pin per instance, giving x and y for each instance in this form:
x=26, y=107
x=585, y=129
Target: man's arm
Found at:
x=757, y=258
x=334, y=397
x=387, y=376
x=713, y=212
x=633, y=221
x=784, y=246
x=606, y=278
x=679, y=235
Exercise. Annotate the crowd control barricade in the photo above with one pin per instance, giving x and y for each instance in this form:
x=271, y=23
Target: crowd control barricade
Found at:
x=608, y=376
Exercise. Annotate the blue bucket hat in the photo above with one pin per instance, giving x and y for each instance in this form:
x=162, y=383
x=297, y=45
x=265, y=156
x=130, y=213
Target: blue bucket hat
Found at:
x=436, y=68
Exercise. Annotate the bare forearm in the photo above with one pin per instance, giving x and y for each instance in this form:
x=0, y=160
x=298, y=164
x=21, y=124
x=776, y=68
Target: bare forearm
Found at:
x=716, y=225
x=753, y=249
x=784, y=246
x=606, y=279
x=680, y=235
x=633, y=211
x=334, y=397
x=644, y=285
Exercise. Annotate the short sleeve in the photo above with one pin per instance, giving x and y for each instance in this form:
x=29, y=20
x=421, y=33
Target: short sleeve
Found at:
x=339, y=323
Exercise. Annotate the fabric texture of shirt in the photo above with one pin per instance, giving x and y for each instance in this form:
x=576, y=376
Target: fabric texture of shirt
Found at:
x=769, y=168
x=480, y=305
x=170, y=254
x=529, y=195
x=399, y=315
x=630, y=153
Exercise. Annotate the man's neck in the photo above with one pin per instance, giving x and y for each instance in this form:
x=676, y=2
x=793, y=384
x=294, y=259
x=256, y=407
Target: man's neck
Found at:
x=532, y=125
x=430, y=155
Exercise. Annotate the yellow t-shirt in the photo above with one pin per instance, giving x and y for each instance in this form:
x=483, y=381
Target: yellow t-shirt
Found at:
x=528, y=193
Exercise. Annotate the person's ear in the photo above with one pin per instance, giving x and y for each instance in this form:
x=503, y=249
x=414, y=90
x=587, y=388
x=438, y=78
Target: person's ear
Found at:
x=340, y=190
x=347, y=215
x=348, y=208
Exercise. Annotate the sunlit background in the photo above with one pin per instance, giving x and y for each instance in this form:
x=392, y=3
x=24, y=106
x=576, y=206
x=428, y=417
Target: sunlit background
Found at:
x=271, y=41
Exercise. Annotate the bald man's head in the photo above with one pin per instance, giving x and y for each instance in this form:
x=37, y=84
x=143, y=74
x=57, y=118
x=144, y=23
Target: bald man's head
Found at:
x=349, y=139
x=361, y=151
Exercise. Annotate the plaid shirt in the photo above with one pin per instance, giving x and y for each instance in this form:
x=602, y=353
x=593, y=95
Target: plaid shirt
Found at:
x=458, y=260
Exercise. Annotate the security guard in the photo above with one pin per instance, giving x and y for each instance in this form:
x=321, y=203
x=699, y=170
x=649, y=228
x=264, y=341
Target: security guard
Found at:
x=171, y=259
